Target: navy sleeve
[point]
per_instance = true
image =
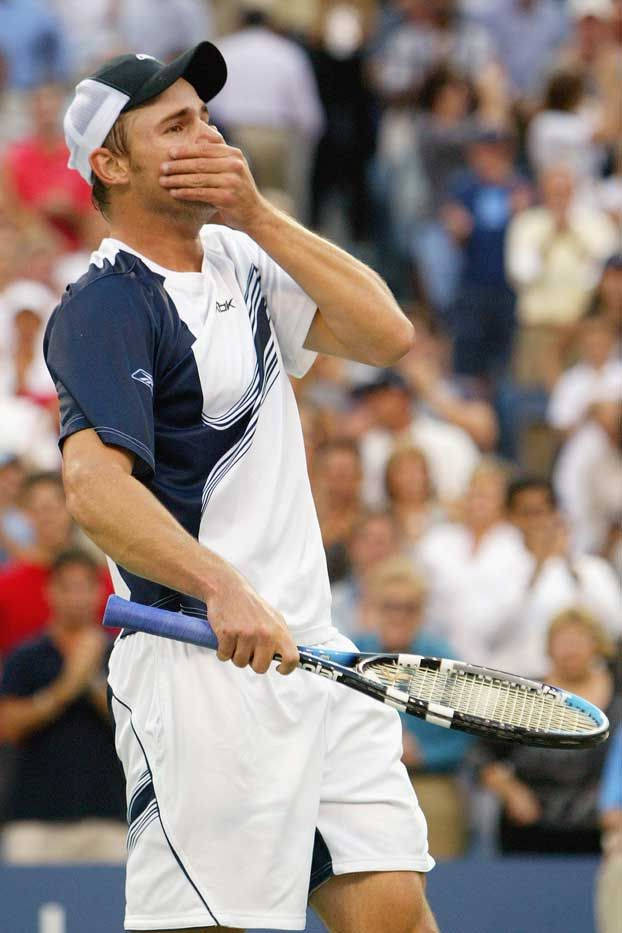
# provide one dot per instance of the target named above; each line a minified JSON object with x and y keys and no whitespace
{"x":100,"y":348}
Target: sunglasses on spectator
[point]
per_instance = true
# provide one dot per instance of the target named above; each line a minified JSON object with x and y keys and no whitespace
{"x":412,"y":606}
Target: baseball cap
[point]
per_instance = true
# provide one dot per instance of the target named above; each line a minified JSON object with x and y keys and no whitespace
{"x":127,"y":81}
{"x":600,"y":9}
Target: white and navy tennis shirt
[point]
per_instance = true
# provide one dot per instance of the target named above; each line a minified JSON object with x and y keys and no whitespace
{"x":189,"y":372}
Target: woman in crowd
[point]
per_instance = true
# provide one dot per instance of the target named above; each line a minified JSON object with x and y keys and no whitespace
{"x":412,"y":498}
{"x":549,"y":798}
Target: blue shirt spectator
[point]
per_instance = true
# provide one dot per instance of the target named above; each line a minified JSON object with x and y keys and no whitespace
{"x":33,"y":47}
{"x":442,"y":750}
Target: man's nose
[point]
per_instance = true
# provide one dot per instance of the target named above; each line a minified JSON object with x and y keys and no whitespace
{"x":209,"y":133}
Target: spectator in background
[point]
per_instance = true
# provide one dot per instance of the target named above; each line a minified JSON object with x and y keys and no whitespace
{"x":470,"y":570}
{"x":270,"y":106}
{"x":347,"y":144}
{"x":25,"y":307}
{"x":549,"y":577}
{"x":607,"y":300}
{"x":337,"y":491}
{"x":595,"y":376}
{"x":592,"y":50}
{"x":396,"y":419}
{"x":32,"y":44}
{"x":525,"y":34}
{"x":24,"y":607}
{"x":412,"y":500}
{"x":555,"y":252}
{"x":443,"y":129}
{"x":549,"y":797}
{"x":396,"y":597}
{"x":15,"y":530}
{"x":609,"y":880}
{"x":375,"y":537}
{"x":480,"y":206}
{"x":564,"y":133}
{"x":39,"y":187}
{"x":67,"y":801}
{"x":442,"y":395}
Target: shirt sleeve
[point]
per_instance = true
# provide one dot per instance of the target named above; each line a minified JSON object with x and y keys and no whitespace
{"x":291,"y":311}
{"x":100,"y":348}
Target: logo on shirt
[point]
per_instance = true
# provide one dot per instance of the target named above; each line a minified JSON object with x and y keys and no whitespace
{"x":225,"y":306}
{"x":141,"y":375}
{"x":141,"y":56}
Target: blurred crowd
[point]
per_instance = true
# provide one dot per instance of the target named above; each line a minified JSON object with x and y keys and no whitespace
{"x":470,"y":499}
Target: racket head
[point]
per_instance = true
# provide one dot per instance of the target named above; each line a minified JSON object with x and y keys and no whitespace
{"x":486,"y":702}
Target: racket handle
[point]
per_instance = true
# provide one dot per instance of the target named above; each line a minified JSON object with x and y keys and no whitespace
{"x":120,"y":613}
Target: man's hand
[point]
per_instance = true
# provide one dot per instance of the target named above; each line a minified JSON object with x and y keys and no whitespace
{"x":83,"y":661}
{"x":211,"y":172}
{"x":248,"y":630}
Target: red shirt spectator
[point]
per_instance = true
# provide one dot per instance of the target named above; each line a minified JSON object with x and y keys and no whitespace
{"x":24,"y":607}
{"x":38,"y":179}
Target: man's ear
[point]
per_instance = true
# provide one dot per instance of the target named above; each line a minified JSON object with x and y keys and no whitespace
{"x":111,"y":169}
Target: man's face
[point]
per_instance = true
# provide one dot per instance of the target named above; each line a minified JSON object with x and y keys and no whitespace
{"x":531,"y":509}
{"x":46,"y":509}
{"x":375,"y":540}
{"x":399,"y":607}
{"x":74,"y":595}
{"x":177,"y":117}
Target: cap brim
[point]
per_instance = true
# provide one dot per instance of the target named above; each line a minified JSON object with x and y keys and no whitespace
{"x":203,"y":67}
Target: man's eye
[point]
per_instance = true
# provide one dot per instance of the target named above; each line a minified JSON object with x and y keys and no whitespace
{"x":175,"y":128}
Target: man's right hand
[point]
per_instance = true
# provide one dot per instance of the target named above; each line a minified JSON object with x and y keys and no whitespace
{"x":249,"y":631}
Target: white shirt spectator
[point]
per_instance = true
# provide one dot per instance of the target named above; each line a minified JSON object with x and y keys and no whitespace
{"x":578,"y":459}
{"x":586,"y":581}
{"x":33,"y":296}
{"x":98,"y":29}
{"x":581,"y":386}
{"x":28,"y":432}
{"x":472,"y":592}
{"x":451,"y":455}
{"x":270,"y":84}
{"x":556,"y":136}
{"x":555,"y":270}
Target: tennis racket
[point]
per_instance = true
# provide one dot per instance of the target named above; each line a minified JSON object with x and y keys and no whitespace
{"x":452,"y":694}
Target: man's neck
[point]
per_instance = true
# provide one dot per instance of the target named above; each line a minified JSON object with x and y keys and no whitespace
{"x":179,"y":249}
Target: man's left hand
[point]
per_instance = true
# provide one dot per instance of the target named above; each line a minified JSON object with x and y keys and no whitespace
{"x":211,"y":172}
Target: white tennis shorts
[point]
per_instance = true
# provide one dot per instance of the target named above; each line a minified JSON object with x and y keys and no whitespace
{"x":247,"y":791}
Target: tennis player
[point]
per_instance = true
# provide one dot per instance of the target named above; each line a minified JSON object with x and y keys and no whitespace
{"x":184,"y":461}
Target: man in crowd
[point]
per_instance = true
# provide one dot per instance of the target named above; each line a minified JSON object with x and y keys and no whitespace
{"x":24,"y":605}
{"x":67,"y":798}
{"x":396,"y":598}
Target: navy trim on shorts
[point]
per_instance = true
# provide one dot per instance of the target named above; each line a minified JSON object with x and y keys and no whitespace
{"x":177,"y":858}
{"x":321,"y":863}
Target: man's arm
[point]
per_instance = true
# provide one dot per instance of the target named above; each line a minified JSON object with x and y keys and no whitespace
{"x":20,"y":716}
{"x":357,"y":318}
{"x":129,"y":524}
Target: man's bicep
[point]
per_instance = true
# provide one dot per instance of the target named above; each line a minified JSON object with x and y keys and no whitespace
{"x":85,"y":450}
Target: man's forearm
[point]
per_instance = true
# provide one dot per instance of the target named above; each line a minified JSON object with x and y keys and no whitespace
{"x":353,"y":300}
{"x":129,"y":524}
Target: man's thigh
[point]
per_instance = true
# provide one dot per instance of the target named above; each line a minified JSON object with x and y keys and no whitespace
{"x":375,"y":902}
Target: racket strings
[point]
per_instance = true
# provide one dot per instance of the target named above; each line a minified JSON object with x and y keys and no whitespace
{"x":484,"y":697}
